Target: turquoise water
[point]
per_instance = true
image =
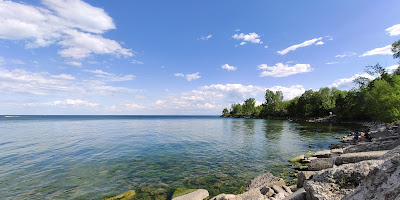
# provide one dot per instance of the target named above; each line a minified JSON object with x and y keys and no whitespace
{"x":92,"y":157}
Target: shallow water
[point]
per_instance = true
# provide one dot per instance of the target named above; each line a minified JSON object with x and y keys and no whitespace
{"x":92,"y":157}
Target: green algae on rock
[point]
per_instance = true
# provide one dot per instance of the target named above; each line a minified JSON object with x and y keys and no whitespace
{"x":124,"y":196}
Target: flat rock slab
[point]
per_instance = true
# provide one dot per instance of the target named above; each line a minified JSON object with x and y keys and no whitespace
{"x":262,"y":180}
{"x":322,"y":154}
{"x":321,"y":163}
{"x":357,"y":157}
{"x":196,"y":195}
{"x":337,"y":151}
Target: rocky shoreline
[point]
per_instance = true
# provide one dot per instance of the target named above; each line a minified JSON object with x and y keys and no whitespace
{"x":365,"y":170}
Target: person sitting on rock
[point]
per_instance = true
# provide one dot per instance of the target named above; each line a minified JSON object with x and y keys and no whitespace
{"x":355,"y":139}
{"x":368,"y":137}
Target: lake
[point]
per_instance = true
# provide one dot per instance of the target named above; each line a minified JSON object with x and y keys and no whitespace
{"x":93,"y":157}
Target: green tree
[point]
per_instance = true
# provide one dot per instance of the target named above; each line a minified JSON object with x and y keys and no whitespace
{"x":248,"y":107}
{"x":225,"y":112}
{"x":236,"y":110}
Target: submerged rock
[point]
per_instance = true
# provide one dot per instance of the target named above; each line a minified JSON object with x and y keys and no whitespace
{"x":124,"y":196}
{"x":266,"y":179}
{"x":297,"y":158}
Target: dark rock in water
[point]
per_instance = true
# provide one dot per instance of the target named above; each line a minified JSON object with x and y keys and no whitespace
{"x":124,"y":196}
{"x":266,"y":179}
{"x":335,"y":183}
{"x":382,"y":182}
{"x":321,"y":163}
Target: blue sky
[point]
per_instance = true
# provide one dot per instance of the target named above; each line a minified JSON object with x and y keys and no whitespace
{"x":183,"y":57}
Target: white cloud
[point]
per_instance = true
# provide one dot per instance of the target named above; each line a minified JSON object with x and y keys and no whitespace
{"x":68,"y":102}
{"x":63,"y":76}
{"x":387,"y":50}
{"x":392,"y":68}
{"x":319,"y":43}
{"x":133,"y":106}
{"x":74,"y":63}
{"x":189,"y":77}
{"x":251,"y":37}
{"x":304,"y":44}
{"x":194,"y":76}
{"x":282,"y":70}
{"x":105,"y":76}
{"x":205,"y":37}
{"x":394,"y":30}
{"x":265,"y":46}
{"x":237,"y":30}
{"x":228,"y":67}
{"x":179,"y":74}
{"x":331,"y":63}
{"x":73,"y":24}
{"x":137,"y":62}
{"x":348,"y":83}
{"x":218,"y":96}
{"x":43,"y":83}
{"x":346,"y":54}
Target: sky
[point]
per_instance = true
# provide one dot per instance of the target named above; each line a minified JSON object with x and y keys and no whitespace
{"x":180,"y":57}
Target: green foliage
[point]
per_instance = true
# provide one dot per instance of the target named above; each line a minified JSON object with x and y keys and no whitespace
{"x":236,"y":110}
{"x":225,"y":112}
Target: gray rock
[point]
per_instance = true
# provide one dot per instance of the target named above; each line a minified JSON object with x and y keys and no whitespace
{"x":337,"y":151}
{"x":267,"y":191}
{"x":322,"y":154}
{"x":253,"y":194}
{"x":279,"y":196}
{"x":266,"y":179}
{"x":335,"y":183}
{"x":391,"y":154}
{"x":303,"y":176}
{"x":293,"y":188}
{"x":321,"y":163}
{"x":279,"y":189}
{"x":370,"y":146}
{"x":196,"y":195}
{"x":298,"y":195}
{"x":223,"y":197}
{"x":287,"y":189}
{"x":381,"y":183}
{"x":357,"y":157}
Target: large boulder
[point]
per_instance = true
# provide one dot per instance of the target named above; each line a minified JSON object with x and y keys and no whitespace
{"x":357,"y":157}
{"x":335,"y":183}
{"x":321,"y":163}
{"x":322,"y":154}
{"x":298,"y":195}
{"x":262,"y":180}
{"x":195,"y":195}
{"x":382,"y":182}
{"x":370,"y":146}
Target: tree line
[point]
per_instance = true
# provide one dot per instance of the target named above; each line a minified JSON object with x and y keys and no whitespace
{"x":377,"y":99}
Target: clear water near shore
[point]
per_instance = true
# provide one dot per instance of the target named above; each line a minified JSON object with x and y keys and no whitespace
{"x":92,"y":157}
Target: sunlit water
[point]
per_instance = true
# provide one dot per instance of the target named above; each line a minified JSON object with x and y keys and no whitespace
{"x":92,"y":157}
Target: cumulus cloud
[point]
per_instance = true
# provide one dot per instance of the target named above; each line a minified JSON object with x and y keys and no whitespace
{"x":228,"y":67}
{"x":109,"y":76}
{"x":218,"y":96}
{"x":73,"y":24}
{"x":251,"y":37}
{"x":392,"y":68}
{"x":304,"y":44}
{"x":283,"y":70}
{"x":189,"y":77}
{"x":205,"y":37}
{"x":17,"y":62}
{"x":43,"y":83}
{"x":394,"y":30}
{"x":346,"y":54}
{"x":387,"y":50}
{"x":348,"y":83}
